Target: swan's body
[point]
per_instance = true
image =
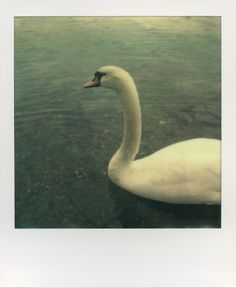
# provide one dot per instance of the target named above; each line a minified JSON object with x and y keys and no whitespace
{"x":187,"y":172}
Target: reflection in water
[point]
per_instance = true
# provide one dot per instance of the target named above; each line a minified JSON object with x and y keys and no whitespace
{"x":64,"y":138}
{"x":137,"y":212}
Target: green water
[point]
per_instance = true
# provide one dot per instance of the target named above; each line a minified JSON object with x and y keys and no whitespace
{"x":65,"y":135}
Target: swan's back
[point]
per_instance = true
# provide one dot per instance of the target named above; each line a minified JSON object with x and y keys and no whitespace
{"x":185,"y":172}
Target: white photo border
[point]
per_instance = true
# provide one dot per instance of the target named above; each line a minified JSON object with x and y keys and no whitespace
{"x":117,"y":257}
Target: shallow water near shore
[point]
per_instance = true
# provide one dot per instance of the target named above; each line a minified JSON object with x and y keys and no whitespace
{"x":65,"y":135}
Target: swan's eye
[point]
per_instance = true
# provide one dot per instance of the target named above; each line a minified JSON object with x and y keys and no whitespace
{"x":98,"y":75}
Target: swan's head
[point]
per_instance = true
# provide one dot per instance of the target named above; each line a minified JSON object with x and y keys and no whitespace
{"x":109,"y":77}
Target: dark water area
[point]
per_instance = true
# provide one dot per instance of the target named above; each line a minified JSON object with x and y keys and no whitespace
{"x":65,"y":135}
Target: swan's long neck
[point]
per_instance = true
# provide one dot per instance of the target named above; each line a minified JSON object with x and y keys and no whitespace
{"x":132,"y":121}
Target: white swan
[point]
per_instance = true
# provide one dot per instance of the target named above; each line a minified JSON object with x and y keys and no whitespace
{"x":187,"y":172}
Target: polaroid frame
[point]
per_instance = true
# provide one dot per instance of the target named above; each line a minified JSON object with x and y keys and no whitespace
{"x":129,"y":257}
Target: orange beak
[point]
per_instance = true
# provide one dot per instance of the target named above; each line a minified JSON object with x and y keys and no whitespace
{"x":94,"y":83}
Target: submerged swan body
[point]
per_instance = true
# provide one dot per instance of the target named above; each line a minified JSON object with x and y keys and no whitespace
{"x":187,"y":172}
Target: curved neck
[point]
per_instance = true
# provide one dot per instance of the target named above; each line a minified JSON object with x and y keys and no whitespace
{"x":132,"y":121}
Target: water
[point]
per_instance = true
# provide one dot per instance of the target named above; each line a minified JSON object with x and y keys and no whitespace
{"x":65,"y":135}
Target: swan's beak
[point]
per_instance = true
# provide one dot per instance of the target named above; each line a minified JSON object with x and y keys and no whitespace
{"x":93,"y":83}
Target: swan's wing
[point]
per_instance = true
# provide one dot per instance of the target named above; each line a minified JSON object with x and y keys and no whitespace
{"x":188,"y":169}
